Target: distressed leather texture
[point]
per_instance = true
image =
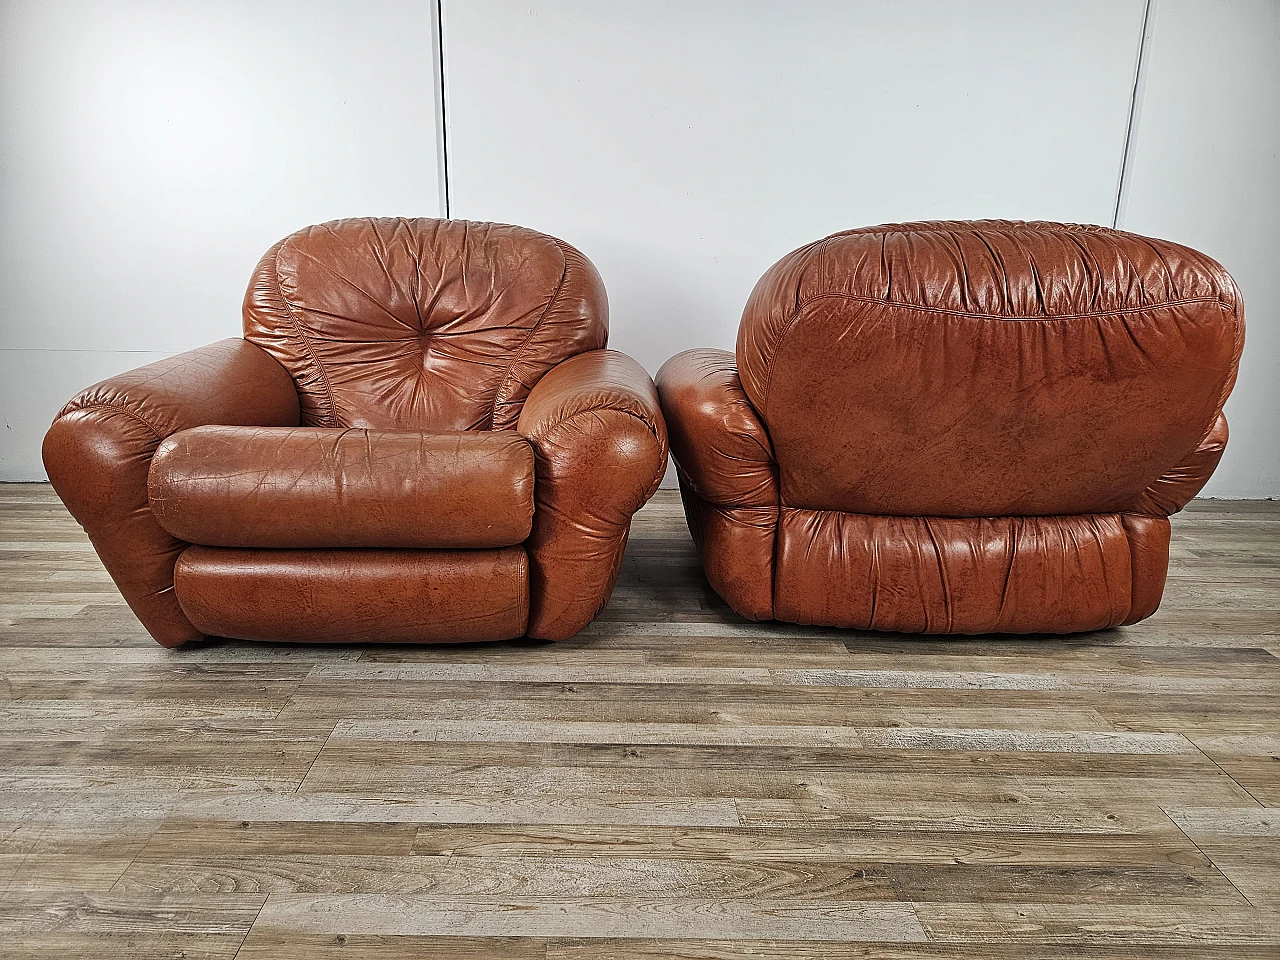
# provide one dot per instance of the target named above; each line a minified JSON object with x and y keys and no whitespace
{"x":968,"y":425}
{"x":952,"y":575}
{"x":422,"y":324}
{"x":420,"y":438}
{"x":736,"y":545}
{"x":318,"y":487}
{"x":600,"y":450}
{"x":339,"y":596}
{"x":99,"y":449}
{"x":728,"y":479}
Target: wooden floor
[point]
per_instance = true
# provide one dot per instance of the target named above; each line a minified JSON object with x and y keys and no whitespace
{"x":673,"y":783}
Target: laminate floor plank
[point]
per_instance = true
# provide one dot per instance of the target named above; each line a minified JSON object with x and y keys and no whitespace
{"x":1243,"y":843}
{"x":92,"y":925}
{"x":792,"y":950}
{"x":1153,"y":924}
{"x":265,"y":944}
{"x":674,"y":782}
{"x":691,"y":704}
{"x":1160,"y":845}
{"x":630,"y":916}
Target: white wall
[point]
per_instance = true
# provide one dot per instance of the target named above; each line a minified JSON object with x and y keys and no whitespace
{"x":687,"y":145}
{"x":1205,"y":170}
{"x":151,"y":151}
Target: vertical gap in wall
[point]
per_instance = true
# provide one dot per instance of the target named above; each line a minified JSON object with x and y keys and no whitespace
{"x":1134,"y":97}
{"x":442,"y":127}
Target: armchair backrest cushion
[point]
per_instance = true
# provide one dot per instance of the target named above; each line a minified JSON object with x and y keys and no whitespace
{"x":419,"y":324}
{"x":986,"y":368}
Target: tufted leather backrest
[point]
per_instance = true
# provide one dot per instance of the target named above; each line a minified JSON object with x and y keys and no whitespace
{"x":987,"y":368}
{"x":422,"y":324}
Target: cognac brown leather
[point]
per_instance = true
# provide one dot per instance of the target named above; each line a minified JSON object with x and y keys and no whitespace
{"x":736,"y":545}
{"x":100,"y":446}
{"x":973,"y":427}
{"x":600,"y":449}
{"x":952,"y":575}
{"x":318,"y":487}
{"x":728,"y":480}
{"x":404,"y":354}
{"x":984,"y":354}
{"x":1175,"y":488}
{"x":398,"y":596}
{"x":422,"y":324}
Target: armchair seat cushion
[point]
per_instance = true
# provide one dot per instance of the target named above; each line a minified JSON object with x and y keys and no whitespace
{"x":318,"y":487}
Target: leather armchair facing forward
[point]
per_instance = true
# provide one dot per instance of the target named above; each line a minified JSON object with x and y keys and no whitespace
{"x":420,"y":438}
{"x":957,"y":427}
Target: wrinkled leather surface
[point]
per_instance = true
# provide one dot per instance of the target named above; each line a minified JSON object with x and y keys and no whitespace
{"x":318,"y":487}
{"x":600,"y":450}
{"x":1175,"y":489}
{"x":975,"y":427}
{"x":1148,"y":562}
{"x":342,"y":596}
{"x":392,"y":337}
{"x":951,"y":369}
{"x":422,"y":324}
{"x":716,"y":436}
{"x":953,"y":575}
{"x":100,"y":446}
{"x":735,"y":545}
{"x":728,"y":480}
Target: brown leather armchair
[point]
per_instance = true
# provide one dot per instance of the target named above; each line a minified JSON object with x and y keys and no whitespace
{"x":420,"y":438}
{"x":957,"y":427}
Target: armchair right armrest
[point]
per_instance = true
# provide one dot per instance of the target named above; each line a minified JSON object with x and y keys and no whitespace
{"x":1176,"y":488}
{"x":599,"y":450}
{"x":728,"y":477}
{"x":100,"y":446}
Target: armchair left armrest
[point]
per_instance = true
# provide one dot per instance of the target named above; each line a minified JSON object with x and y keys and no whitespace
{"x":99,"y":450}
{"x":600,"y":450}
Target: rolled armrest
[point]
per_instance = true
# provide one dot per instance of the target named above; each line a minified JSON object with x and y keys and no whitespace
{"x":600,"y":449}
{"x":717,"y":438}
{"x":1175,"y":489}
{"x":728,"y":477}
{"x":100,"y":446}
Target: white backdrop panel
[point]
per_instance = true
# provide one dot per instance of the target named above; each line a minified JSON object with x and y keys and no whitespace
{"x":1205,"y":171}
{"x":150,"y":152}
{"x":685,"y":146}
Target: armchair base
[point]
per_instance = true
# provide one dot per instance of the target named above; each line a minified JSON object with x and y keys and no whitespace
{"x":352,"y":596}
{"x":967,"y":575}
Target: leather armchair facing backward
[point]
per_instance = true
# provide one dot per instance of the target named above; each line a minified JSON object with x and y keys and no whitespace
{"x":420,"y":438}
{"x":957,"y":427}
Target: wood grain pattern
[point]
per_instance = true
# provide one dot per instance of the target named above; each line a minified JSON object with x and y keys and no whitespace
{"x":672,"y":783}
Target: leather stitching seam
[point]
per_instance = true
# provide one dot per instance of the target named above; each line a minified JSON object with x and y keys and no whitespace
{"x":814,"y":252}
{"x":648,"y":425}
{"x":306,"y":342}
{"x":117,"y":409}
{"x":506,"y":376}
{"x":971,"y":315}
